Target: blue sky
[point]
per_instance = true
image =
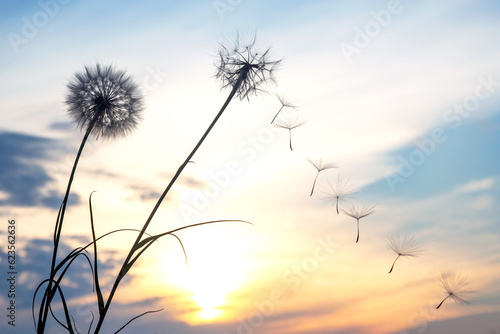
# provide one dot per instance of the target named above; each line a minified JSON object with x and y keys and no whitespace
{"x":403,"y":96}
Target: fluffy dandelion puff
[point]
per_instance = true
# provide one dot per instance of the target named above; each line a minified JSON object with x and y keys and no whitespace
{"x":243,"y":67}
{"x":320,"y":166}
{"x":340,"y":193}
{"x":358,"y":212}
{"x":456,"y":288}
{"x":406,"y":247}
{"x":104,"y":101}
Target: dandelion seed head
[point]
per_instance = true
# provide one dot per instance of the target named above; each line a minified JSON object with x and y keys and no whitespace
{"x":289,"y":123}
{"x":106,"y":99}
{"x":358,"y":212}
{"x":242,"y":60}
{"x":284,"y":102}
{"x":456,"y":287}
{"x":320,"y":166}
{"x":340,"y":192}
{"x":404,"y":246}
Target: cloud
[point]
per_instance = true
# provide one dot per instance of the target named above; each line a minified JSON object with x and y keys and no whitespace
{"x":457,"y":161}
{"x":477,"y":323}
{"x":24,"y":180}
{"x":475,"y":186}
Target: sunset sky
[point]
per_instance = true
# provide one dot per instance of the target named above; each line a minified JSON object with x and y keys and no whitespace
{"x":402,"y":96}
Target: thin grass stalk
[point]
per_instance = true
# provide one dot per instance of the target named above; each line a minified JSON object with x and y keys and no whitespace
{"x":49,"y":294}
{"x":241,"y":79}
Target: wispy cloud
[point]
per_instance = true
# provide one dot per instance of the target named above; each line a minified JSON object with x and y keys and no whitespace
{"x":24,"y":180}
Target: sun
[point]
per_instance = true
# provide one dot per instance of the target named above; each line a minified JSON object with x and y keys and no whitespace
{"x":215,"y":269}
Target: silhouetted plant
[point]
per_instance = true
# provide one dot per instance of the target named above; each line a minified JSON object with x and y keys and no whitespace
{"x":107,"y":103}
{"x":289,"y":123}
{"x":339,"y":193}
{"x":359,"y":212}
{"x":406,"y":247}
{"x":456,"y":288}
{"x":243,"y":70}
{"x":104,"y":101}
{"x":284,"y":104}
{"x":320,"y":166}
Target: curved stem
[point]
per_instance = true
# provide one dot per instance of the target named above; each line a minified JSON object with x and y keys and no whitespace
{"x":277,"y":114}
{"x":394,"y":263}
{"x":241,"y":78}
{"x":290,"y":134}
{"x":314,"y":183}
{"x":357,"y":238}
{"x":49,"y":294}
{"x":443,"y":301}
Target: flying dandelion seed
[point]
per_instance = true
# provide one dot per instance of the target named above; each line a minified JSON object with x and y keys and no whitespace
{"x":104,"y":100}
{"x":455,"y":287}
{"x":320,"y":166}
{"x":242,"y":67}
{"x":289,"y":124}
{"x":340,"y":193}
{"x":406,"y":247}
{"x":358,"y":212}
{"x":284,"y":104}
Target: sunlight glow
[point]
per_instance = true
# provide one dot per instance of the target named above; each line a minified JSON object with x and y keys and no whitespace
{"x":214,"y":271}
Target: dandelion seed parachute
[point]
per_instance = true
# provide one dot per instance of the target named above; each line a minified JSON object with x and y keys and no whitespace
{"x":106,"y":100}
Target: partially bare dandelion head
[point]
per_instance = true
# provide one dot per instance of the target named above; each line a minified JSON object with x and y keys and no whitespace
{"x":403,"y":247}
{"x":456,"y":287}
{"x":105,"y":99}
{"x":243,"y":67}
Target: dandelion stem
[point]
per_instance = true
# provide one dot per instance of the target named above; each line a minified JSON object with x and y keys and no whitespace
{"x":277,"y":114}
{"x":392,"y":267}
{"x":243,"y":75}
{"x":50,"y":292}
{"x":290,"y":135}
{"x":443,"y":301}
{"x":357,"y":222}
{"x":314,"y":183}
